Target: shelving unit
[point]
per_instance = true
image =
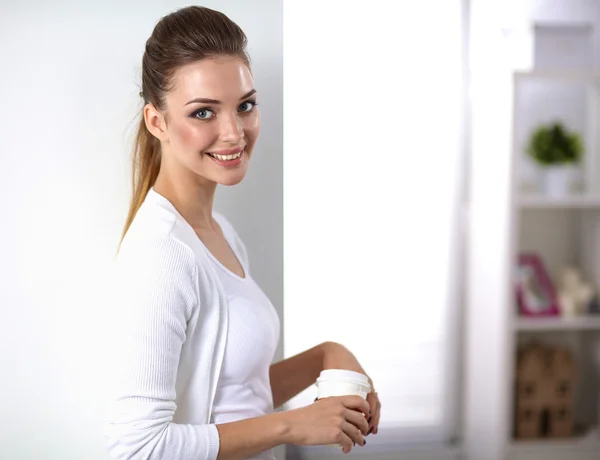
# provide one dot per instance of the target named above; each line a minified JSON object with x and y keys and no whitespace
{"x":564,"y":231}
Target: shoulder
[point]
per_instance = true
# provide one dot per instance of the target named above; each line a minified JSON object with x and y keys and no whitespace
{"x":156,"y":241}
{"x":155,"y":275}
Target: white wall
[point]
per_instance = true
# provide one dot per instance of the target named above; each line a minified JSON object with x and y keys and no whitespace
{"x":68,"y":91}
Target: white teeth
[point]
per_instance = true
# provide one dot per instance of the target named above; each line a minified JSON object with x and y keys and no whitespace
{"x":227,"y":157}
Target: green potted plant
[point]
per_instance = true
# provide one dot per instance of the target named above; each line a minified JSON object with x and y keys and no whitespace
{"x":557,"y":151}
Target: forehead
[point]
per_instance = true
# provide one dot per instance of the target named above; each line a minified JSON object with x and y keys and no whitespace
{"x":222,"y":78}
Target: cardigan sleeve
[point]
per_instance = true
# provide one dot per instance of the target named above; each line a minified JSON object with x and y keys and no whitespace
{"x":155,"y":289}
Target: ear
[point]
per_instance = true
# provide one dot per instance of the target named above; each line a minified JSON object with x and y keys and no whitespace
{"x":155,"y":122}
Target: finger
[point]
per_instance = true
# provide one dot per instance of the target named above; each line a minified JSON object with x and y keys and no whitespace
{"x":345,"y":442}
{"x":373,"y":419}
{"x":376,"y":417}
{"x":357,"y":419}
{"x":356,"y":403}
{"x":372,"y":400}
{"x":353,"y":433}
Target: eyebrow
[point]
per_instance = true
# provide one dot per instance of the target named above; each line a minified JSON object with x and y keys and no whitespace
{"x":203,"y":100}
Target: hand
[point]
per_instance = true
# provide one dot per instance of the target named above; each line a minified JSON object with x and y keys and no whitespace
{"x":339,"y":357}
{"x":334,"y":420}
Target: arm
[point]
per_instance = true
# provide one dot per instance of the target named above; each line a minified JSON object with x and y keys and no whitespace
{"x":295,"y":374}
{"x":154,"y":294}
{"x":334,"y":420}
{"x":288,"y":378}
{"x":249,"y":437}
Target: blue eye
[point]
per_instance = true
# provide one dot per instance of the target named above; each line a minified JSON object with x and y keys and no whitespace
{"x":203,"y":114}
{"x":247,"y":106}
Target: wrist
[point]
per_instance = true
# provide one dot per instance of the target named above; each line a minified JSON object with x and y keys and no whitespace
{"x":283,"y":427}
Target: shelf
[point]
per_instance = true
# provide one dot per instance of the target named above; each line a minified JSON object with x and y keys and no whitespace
{"x":588,"y":323}
{"x":559,"y":448}
{"x":562,"y":76}
{"x":573,"y":202}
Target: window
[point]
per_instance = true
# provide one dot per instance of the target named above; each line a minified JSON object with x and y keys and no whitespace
{"x":373,"y":159}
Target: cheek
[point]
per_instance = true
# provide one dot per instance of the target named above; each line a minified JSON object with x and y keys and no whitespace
{"x":192,"y":136}
{"x":187,"y":134}
{"x":252,"y":128}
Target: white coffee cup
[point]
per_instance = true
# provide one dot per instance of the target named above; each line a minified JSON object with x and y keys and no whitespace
{"x":339,"y":382}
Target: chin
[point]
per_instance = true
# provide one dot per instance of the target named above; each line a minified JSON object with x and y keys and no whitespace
{"x":230,"y":180}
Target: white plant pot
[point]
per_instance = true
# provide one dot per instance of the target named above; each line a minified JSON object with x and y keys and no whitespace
{"x":557,"y":181}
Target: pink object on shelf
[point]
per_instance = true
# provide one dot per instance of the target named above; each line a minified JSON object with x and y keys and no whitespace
{"x":536,"y":294}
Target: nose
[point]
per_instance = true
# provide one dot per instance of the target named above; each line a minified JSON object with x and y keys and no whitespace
{"x":232,"y":129}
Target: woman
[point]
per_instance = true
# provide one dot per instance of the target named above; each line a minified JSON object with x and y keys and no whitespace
{"x":195,"y":334}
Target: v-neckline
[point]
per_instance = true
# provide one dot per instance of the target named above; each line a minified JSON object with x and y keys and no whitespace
{"x":210,"y":254}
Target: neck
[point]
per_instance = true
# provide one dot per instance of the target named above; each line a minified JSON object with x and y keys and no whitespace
{"x":193,"y":198}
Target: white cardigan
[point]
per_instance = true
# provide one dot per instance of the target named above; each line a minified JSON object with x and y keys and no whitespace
{"x":170,"y":334}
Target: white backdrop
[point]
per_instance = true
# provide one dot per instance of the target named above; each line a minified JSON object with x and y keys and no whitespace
{"x":69,"y":86}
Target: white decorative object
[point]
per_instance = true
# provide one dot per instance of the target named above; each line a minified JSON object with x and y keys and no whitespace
{"x":557,"y":181}
{"x":568,"y":305}
{"x":574,"y":293}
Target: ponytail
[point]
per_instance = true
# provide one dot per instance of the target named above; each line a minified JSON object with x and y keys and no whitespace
{"x":145,"y":167}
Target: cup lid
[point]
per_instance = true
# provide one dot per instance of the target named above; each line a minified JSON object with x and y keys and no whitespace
{"x":344,"y":375}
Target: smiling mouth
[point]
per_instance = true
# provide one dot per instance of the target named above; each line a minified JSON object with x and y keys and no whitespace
{"x":231,"y":157}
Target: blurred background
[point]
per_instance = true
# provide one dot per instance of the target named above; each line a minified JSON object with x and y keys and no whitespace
{"x":425,"y":191}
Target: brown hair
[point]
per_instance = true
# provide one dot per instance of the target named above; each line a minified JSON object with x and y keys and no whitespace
{"x":182,"y":37}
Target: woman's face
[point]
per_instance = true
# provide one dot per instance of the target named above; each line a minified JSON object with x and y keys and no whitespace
{"x":212,"y":120}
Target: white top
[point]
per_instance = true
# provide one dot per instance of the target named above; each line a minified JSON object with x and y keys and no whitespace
{"x":170,"y":331}
{"x":244,"y":388}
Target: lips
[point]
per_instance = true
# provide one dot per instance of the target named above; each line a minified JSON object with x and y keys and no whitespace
{"x":233,"y":156}
{"x":227,"y":161}
{"x":226,"y":152}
